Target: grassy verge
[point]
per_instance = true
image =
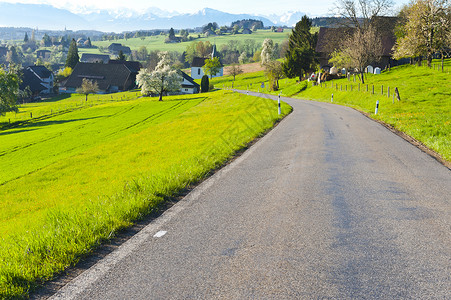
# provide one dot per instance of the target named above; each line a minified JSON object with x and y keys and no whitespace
{"x":122,"y":160}
{"x":424,"y":111}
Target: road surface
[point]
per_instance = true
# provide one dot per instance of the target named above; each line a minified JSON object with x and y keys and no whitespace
{"x":328,"y":205}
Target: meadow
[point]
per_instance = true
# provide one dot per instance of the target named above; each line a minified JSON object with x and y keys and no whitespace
{"x":153,"y":43}
{"x":423,"y":113}
{"x":71,"y":180}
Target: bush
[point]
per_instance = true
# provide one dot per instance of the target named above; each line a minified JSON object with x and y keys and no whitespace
{"x":204,"y":84}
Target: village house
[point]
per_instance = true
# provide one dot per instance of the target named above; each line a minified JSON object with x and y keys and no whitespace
{"x":197,"y":71}
{"x":43,"y":54}
{"x":115,"y":48}
{"x":38,"y":79}
{"x":189,"y":86}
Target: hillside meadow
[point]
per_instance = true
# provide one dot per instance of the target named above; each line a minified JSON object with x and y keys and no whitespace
{"x":423,"y":113}
{"x":71,"y":180}
{"x":153,"y":43}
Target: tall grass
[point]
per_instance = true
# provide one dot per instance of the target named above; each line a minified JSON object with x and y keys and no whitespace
{"x":55,"y":214}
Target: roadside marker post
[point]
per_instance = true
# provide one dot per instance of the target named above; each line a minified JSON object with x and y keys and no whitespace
{"x":377,"y":107}
{"x":332,"y":99}
{"x":278,"y":102}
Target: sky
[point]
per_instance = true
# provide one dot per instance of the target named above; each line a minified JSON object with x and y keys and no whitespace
{"x":260,"y":7}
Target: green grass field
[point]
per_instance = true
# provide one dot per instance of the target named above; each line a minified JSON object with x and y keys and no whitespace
{"x":424,"y":111}
{"x":72,"y":179}
{"x":157,"y":42}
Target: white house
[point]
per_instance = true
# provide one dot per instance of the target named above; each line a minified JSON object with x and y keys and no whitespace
{"x":198,"y":62}
{"x":189,"y":86}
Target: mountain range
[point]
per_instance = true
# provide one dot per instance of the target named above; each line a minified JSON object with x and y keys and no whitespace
{"x":48,"y":17}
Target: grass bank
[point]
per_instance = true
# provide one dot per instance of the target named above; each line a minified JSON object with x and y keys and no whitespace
{"x":72,"y":180}
{"x":424,"y":111}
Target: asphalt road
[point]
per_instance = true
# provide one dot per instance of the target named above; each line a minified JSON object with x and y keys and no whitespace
{"x":328,"y":205}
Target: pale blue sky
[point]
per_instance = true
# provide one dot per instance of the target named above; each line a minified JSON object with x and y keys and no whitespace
{"x":266,"y":7}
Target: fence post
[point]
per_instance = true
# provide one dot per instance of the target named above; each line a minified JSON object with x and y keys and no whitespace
{"x":373,"y":89}
{"x":359,"y":86}
{"x":382,"y":89}
{"x":388,"y":92}
{"x":397,"y":94}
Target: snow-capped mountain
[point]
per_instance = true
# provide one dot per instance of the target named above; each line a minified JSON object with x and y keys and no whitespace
{"x":119,"y":20}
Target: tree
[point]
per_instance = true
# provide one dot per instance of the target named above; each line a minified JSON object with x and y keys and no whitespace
{"x":363,"y":43}
{"x":9,"y":90}
{"x":72,"y":55}
{"x":300,"y":57}
{"x":235,"y":69}
{"x":46,"y":40}
{"x":162,"y":80}
{"x":171,"y":34}
{"x":212,"y":66}
{"x":121,"y":56}
{"x":142,"y":53}
{"x":361,"y":13}
{"x":25,"y":39}
{"x":242,"y":58}
{"x":359,"y":50}
{"x":204,"y":84}
{"x":88,"y":87}
{"x":12,"y":56}
{"x":267,"y":54}
{"x":274,"y":72}
{"x":426,"y":29}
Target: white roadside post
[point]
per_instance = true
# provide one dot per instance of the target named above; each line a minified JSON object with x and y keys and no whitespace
{"x":377,"y":107}
{"x":278,"y":102}
{"x":332,"y":99}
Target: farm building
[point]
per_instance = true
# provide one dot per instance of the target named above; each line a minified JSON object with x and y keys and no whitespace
{"x":329,"y":40}
{"x":111,"y":78}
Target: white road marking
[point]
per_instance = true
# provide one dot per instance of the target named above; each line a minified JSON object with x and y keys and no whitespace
{"x":160,"y":234}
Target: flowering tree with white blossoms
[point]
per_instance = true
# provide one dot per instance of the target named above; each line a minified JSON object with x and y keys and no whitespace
{"x":267,"y":51}
{"x":162,"y":80}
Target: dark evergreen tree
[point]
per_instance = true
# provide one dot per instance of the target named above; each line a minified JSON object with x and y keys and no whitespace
{"x":121,"y":56}
{"x":300,"y":57}
{"x":171,"y":34}
{"x":26,"y":38}
{"x":46,"y":40}
{"x":204,"y":84}
{"x":72,"y":55}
